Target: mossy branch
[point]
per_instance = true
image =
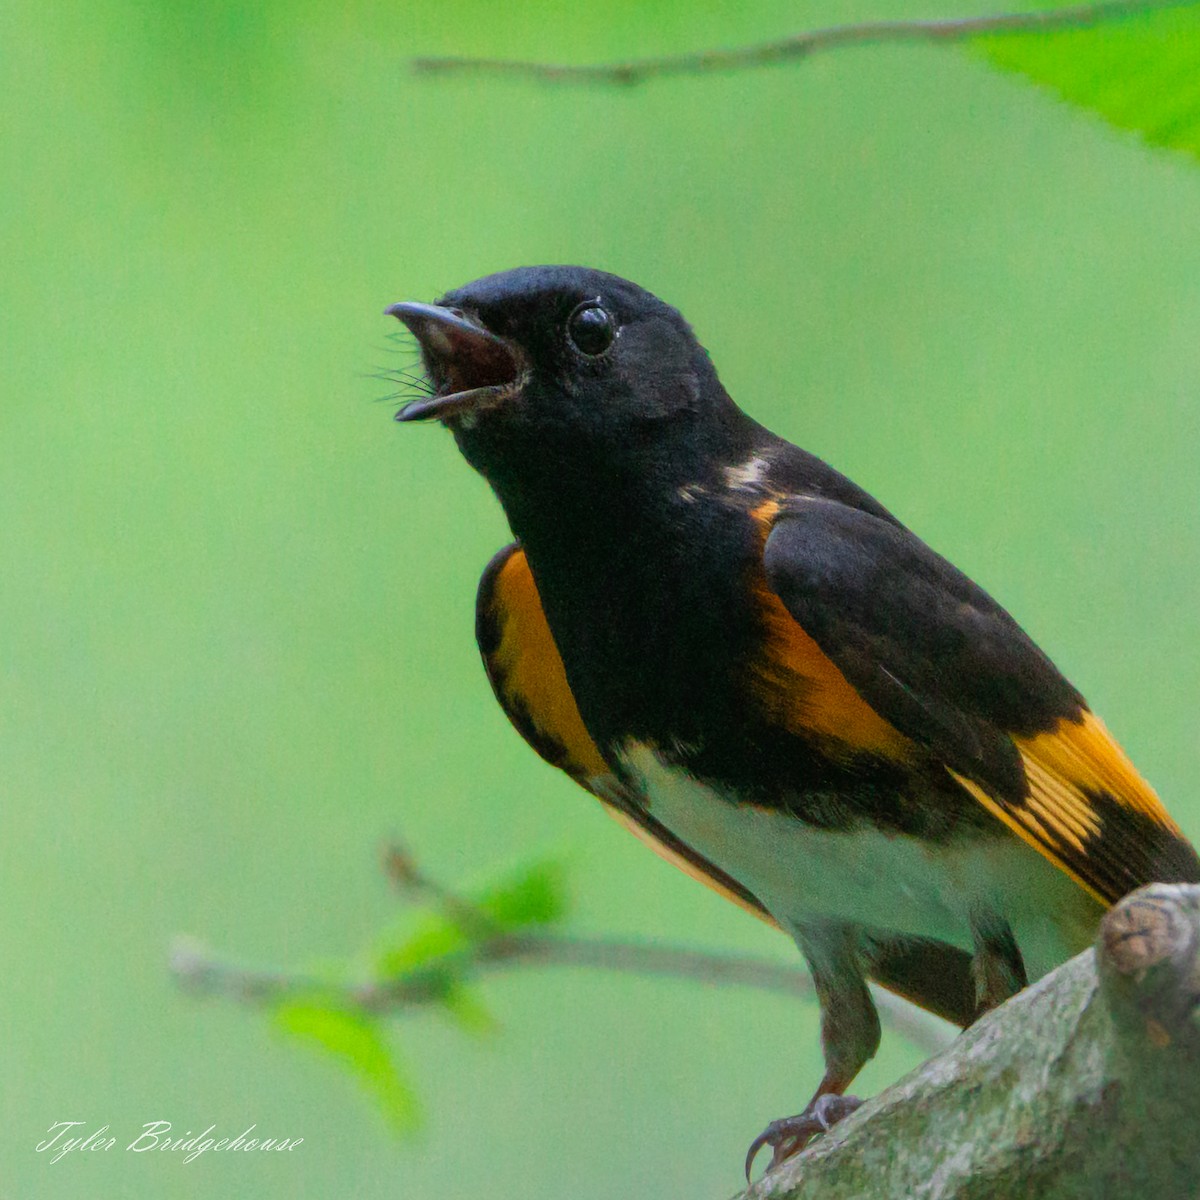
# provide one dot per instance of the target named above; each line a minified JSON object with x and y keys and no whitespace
{"x":1085,"y":1086}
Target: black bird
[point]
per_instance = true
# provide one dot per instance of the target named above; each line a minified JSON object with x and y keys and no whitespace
{"x":766,"y":677}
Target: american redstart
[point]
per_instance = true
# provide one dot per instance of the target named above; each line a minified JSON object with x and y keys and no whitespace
{"x":766,"y":677}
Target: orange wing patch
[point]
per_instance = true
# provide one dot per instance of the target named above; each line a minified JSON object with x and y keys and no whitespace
{"x":1085,"y":755}
{"x":1090,"y":813}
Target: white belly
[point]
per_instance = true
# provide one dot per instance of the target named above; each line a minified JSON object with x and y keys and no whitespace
{"x":877,"y":880}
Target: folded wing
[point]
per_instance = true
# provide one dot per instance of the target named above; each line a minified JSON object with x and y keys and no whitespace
{"x":946,"y":666}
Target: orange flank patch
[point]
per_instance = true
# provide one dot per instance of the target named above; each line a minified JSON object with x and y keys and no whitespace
{"x":807,"y":694}
{"x":804,"y":691}
{"x":532,"y":680}
{"x":531,"y":669}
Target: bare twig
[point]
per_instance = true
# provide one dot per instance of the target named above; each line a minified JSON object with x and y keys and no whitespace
{"x":491,"y":949}
{"x":802,"y":45}
{"x":407,"y":876}
{"x":199,"y":971}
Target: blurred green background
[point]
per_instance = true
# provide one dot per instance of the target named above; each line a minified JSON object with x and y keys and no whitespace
{"x":236,"y":601}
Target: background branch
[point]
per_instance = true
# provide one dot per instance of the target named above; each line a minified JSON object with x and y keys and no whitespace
{"x":489,"y":948}
{"x":801,"y":45}
{"x":197,"y":969}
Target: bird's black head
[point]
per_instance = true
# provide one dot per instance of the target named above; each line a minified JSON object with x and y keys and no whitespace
{"x":565,"y":372}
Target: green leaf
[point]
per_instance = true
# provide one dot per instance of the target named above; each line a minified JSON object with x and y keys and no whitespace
{"x":1141,"y":73}
{"x":467,"y":1010}
{"x":357,"y":1042}
{"x":402,"y":950}
{"x":535,"y":896}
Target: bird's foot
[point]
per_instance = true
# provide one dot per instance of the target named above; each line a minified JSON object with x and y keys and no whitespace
{"x":789,"y":1135}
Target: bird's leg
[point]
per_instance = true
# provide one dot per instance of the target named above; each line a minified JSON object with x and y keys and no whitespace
{"x":997,"y":964}
{"x":849,"y":1037}
{"x":789,"y":1135}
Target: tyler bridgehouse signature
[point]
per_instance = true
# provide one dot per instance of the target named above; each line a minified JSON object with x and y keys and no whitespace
{"x":65,"y":1137}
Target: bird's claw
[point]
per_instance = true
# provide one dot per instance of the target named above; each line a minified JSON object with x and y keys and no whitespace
{"x":789,"y":1135}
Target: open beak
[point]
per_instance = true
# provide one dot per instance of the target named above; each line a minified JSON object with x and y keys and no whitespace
{"x":471,"y":368}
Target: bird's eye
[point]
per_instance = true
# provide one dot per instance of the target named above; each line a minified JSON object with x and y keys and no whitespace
{"x":591,"y":329}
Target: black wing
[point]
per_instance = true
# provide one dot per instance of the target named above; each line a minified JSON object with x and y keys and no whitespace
{"x":940,"y":660}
